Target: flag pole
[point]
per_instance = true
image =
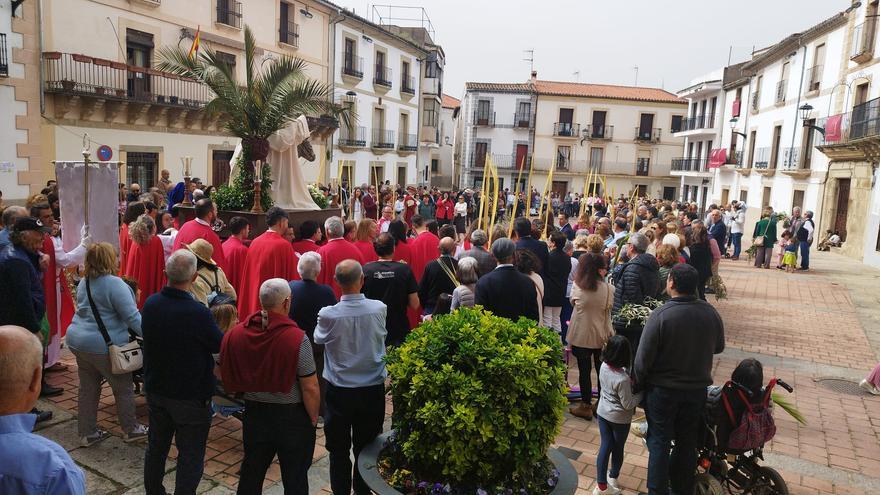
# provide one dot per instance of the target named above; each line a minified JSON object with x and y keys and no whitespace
{"x":549,"y":204}
{"x":483,"y":192}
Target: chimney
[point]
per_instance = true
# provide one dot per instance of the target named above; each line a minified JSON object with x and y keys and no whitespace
{"x":534,"y":75}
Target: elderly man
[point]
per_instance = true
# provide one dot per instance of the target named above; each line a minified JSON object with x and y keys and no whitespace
{"x":674,"y":366}
{"x":180,"y":338}
{"x":387,"y":218}
{"x":334,"y":252}
{"x":505,"y":291}
{"x":394,"y":284}
{"x":269,"y":358}
{"x":10,"y":215}
{"x":717,"y":229}
{"x":634,"y":281}
{"x":438,"y":277}
{"x":353,"y":333}
{"x":485,"y":261}
{"x":29,"y":463}
{"x":200,"y":228}
{"x":804,"y":236}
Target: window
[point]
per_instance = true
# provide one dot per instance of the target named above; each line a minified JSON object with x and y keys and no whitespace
{"x":643,"y":190}
{"x":816,"y":71}
{"x":483,"y":112}
{"x":141,"y":168}
{"x":4,"y":61}
{"x":288,"y":32}
{"x":227,"y":58}
{"x":430,"y":114}
{"x":563,"y":157}
{"x":435,"y":165}
{"x":643,"y":166}
{"x":406,"y":81}
{"x":401,"y":174}
{"x":229,"y":13}
{"x":710,"y":117}
{"x":752,"y":136}
{"x":807,"y":140}
{"x":669,"y":193}
{"x":597,"y":155}
{"x":139,"y":51}
{"x":646,"y":126}
{"x":744,"y":195}
{"x":737,"y":103}
{"x":765,"y":198}
{"x":676,"y":123}
{"x":219,"y":166}
{"x":523,"y":115}
{"x":797,"y":199}
{"x":480,"y":151}
{"x":774,"y":151}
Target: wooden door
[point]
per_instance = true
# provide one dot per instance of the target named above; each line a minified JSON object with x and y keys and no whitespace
{"x":725,"y":196}
{"x":646,"y":124}
{"x":401,"y":175}
{"x":480,"y":151}
{"x":522,"y":151}
{"x":842,"y":207}
{"x":774,"y":151}
{"x":598,"y":130}
{"x":560,"y":187}
{"x":220,"y":167}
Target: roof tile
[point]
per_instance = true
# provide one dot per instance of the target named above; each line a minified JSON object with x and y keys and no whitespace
{"x":606,"y":91}
{"x":450,"y":101}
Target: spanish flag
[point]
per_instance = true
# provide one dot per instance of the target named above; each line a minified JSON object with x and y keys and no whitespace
{"x":194,"y":49}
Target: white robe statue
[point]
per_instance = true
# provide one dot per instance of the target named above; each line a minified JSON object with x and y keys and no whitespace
{"x":289,"y":190}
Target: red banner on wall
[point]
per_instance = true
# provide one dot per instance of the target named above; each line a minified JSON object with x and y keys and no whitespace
{"x":832,"y":128}
{"x":718,"y":157}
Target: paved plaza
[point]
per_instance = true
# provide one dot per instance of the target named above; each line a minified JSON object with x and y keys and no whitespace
{"x":804,"y":327}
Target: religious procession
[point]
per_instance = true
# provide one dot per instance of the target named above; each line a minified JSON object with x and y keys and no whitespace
{"x":303,"y":313}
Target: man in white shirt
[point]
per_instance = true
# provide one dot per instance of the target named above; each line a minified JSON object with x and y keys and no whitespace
{"x":737,"y":227}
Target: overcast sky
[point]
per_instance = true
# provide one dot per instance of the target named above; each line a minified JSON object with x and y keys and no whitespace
{"x":671,"y":41}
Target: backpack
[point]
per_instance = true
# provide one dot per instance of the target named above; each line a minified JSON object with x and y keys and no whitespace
{"x":216,"y":297}
{"x":756,"y":426}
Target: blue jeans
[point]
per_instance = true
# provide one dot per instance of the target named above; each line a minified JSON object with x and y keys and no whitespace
{"x":613,"y":440}
{"x":188,"y":422}
{"x":736,"y":239}
{"x":673,"y":415}
{"x":805,"y":254}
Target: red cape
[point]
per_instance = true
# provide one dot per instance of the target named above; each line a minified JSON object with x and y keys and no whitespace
{"x":235,"y":253}
{"x":51,"y":279}
{"x":254,"y":360}
{"x":425,"y":248}
{"x":403,"y":252}
{"x":124,"y":247}
{"x":192,"y":230}
{"x":332,"y":254}
{"x":270,"y":256}
{"x":303,"y":246}
{"x":146,"y":265}
{"x":409,"y":210}
{"x":368,"y":253}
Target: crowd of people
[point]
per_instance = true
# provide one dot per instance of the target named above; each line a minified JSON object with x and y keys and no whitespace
{"x":288,"y":331}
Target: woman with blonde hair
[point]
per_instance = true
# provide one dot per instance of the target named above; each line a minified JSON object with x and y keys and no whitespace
{"x":367,"y":230}
{"x":145,"y":262}
{"x":667,"y":257}
{"x":595,"y":244}
{"x":103,"y":301}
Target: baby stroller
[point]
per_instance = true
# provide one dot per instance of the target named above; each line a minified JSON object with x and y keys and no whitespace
{"x":738,"y":422}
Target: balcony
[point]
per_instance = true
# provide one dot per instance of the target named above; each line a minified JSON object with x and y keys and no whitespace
{"x":501,"y":161}
{"x":698,"y":122}
{"x":814,"y":77}
{"x":382,"y":77}
{"x":781,"y":87}
{"x":289,"y":34}
{"x":408,"y":143}
{"x":484,"y":118}
{"x":566,"y":130}
{"x":735,"y":158}
{"x":690,"y":165}
{"x":229,"y":13}
{"x":761,"y":161}
{"x":382,"y":140}
{"x":352,"y":138}
{"x":599,"y":132}
{"x":852,"y":136}
{"x":4,"y":58}
{"x":863,"y":41}
{"x":647,"y":134}
{"x":407,"y":85}
{"x":352,"y":66}
{"x":792,"y":166}
{"x":522,"y":120}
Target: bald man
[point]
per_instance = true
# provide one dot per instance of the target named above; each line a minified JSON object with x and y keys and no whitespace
{"x":10,"y":215}
{"x":29,"y":463}
{"x":439,"y":276}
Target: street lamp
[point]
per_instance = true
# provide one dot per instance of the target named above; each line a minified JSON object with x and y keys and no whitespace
{"x":806,"y":109}
{"x":733,"y":130}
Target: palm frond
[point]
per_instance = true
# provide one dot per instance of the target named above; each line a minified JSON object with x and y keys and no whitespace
{"x":788,"y":407}
{"x":250,"y":47}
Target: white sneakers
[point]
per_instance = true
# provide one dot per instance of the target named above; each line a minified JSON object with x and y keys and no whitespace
{"x":869,"y":387}
{"x":613,"y":488}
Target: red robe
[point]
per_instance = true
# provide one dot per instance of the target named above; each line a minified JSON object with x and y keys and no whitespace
{"x":192,"y":230}
{"x":124,"y":247}
{"x":235,"y":253}
{"x":368,"y":253}
{"x":425,"y":248}
{"x":51,"y":279}
{"x":146,"y":265}
{"x":270,"y":256}
{"x":303,"y":246}
{"x":332,"y":253}
{"x":409,"y":209}
{"x":403,"y":252}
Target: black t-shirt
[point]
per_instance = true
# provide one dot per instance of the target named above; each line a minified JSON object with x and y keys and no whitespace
{"x":391,"y":282}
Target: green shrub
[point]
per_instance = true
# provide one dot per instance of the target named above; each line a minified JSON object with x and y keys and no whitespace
{"x":239,"y":196}
{"x":478,"y":398}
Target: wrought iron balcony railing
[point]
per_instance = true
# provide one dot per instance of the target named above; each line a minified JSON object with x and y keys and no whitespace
{"x":407,"y":85}
{"x":352,"y":65}
{"x":484,"y":118}
{"x":289,"y":33}
{"x":382,"y":76}
{"x":689,"y":165}
{"x":706,"y":121}
{"x":382,"y":139}
{"x":408,"y":142}
{"x":353,"y":138}
{"x":229,"y":13}
{"x":599,"y":131}
{"x":648,"y":134}
{"x":566,"y":129}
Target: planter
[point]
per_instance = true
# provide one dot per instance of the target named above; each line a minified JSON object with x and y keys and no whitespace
{"x":368,"y":461}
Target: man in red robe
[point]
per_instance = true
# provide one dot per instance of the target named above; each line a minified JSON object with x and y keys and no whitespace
{"x":336,"y":250}
{"x":309,"y":237}
{"x":59,"y":303}
{"x":424,"y":247}
{"x":410,"y":204}
{"x":270,"y":256}
{"x":146,"y":259}
{"x":200,"y":228}
{"x":235,"y":250}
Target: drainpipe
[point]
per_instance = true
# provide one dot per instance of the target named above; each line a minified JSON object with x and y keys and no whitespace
{"x":331,"y":69}
{"x":797,"y":106}
{"x":40,"y":53}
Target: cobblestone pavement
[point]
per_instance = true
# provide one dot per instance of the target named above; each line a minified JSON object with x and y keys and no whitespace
{"x":804,"y":327}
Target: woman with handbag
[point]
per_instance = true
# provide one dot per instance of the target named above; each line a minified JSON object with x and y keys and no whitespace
{"x":590,"y":326}
{"x":100,"y":333}
{"x":211,"y":287}
{"x":764,"y":237}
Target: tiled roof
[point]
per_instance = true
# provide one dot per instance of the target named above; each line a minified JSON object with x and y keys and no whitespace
{"x":499,"y":87}
{"x":606,"y":91}
{"x":450,"y":101}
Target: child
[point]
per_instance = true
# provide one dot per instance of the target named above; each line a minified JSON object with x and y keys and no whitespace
{"x":789,"y":260}
{"x":616,"y":406}
{"x":226,"y":317}
{"x":781,"y":247}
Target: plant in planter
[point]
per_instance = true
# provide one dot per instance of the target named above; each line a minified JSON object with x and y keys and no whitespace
{"x":478,"y":399}
{"x":267,"y":101}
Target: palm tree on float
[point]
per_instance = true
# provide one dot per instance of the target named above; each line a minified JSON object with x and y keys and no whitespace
{"x":267,"y":101}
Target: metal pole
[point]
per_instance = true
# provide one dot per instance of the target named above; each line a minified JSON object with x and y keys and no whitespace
{"x":86,"y":153}
{"x":797,"y":109}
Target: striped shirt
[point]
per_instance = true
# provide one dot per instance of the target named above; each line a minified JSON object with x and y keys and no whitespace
{"x":305,"y":367}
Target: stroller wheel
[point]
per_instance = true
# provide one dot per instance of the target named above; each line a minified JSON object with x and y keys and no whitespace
{"x":706,"y":484}
{"x":769,"y":482}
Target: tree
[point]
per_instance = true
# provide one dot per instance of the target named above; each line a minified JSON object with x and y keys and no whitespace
{"x":268,"y":100}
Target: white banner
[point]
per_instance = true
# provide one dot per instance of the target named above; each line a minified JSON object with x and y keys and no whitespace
{"x":103,"y":201}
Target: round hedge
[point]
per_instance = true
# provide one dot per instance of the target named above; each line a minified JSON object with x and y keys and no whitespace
{"x":478,"y":398}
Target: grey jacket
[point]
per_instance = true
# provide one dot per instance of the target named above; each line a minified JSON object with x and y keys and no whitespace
{"x":485,"y":261}
{"x":617,"y":401}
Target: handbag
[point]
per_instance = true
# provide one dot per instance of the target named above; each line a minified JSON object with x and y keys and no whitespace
{"x":123,"y":358}
{"x":759,"y":241}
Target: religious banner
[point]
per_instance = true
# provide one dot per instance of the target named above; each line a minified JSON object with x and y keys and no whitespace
{"x":718,"y":157}
{"x":832,"y":128}
{"x":101,"y":204}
